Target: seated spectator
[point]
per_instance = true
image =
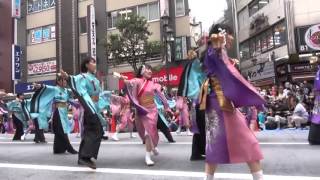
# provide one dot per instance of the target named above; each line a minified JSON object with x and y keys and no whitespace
{"x":300,"y":115}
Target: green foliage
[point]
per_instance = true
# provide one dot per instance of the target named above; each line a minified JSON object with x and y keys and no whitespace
{"x":131,"y":44}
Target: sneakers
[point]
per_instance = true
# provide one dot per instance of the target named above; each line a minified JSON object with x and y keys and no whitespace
{"x":87,"y":162}
{"x":189,"y":133}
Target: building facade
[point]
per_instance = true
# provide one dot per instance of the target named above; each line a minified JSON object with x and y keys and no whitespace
{"x":55,"y":34}
{"x":270,"y":39}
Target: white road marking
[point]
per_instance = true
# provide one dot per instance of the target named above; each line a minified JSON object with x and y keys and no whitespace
{"x":161,"y":173}
{"x":137,"y":143}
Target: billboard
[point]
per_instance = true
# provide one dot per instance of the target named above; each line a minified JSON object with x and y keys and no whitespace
{"x":308,"y":38}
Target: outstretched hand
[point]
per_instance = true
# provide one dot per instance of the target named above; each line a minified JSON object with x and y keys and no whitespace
{"x":118,"y":75}
{"x":64,"y":74}
{"x":36,"y":86}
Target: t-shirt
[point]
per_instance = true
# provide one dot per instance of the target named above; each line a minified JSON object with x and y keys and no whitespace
{"x":299,"y":110}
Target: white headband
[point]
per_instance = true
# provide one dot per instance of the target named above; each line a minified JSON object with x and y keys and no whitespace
{"x":224,"y":34}
{"x":143,"y":69}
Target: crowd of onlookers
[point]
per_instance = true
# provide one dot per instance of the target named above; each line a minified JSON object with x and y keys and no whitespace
{"x":288,"y":105}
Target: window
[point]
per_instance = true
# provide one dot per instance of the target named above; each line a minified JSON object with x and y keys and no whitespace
{"x":264,"y":42}
{"x":280,"y":34}
{"x":244,"y":51}
{"x":112,"y":19}
{"x":149,"y":11}
{"x":154,"y":13}
{"x":180,"y":9}
{"x":256,"y":5}
{"x":39,"y":5}
{"x":252,"y":46}
{"x":83,"y":25}
{"x":270,"y":41}
{"x":258,"y":45}
{"x":143,"y":11}
{"x":42,"y":34}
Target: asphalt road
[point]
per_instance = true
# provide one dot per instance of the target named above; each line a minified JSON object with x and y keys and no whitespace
{"x":287,"y":156}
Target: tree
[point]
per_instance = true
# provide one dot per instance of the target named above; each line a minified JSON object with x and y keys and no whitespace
{"x":130,"y":45}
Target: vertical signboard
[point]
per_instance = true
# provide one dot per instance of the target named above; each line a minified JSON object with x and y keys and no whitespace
{"x":16,"y":8}
{"x":16,"y":62}
{"x":91,"y":29}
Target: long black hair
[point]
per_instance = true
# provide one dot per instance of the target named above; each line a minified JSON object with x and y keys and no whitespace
{"x":84,"y":64}
{"x":215,"y":29}
{"x":139,"y":74}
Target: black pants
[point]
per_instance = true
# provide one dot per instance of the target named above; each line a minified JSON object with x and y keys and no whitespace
{"x":19,"y":128}
{"x":314,"y":134}
{"x":92,"y":135}
{"x":39,"y":134}
{"x":164,"y":129}
{"x":61,"y":141}
{"x":199,"y":140}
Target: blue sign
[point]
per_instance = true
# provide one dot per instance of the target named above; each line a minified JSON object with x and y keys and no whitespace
{"x":16,"y":62}
{"x":28,"y":87}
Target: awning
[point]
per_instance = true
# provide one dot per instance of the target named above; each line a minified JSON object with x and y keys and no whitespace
{"x":264,"y":82}
{"x":303,"y":77}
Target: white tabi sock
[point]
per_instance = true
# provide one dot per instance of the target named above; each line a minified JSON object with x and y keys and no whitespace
{"x":209,"y":177}
{"x":257,"y":175}
{"x":148,"y":159}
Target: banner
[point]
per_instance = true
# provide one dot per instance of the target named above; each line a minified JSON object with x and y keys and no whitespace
{"x":91,"y":29}
{"x":43,"y":67}
{"x":160,"y":76}
{"x":16,"y":62}
{"x":16,"y":8}
{"x":308,"y":38}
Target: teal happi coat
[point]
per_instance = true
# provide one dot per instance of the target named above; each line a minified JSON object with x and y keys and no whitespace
{"x":43,"y":103}
{"x":85,"y":86}
{"x":21,"y":109}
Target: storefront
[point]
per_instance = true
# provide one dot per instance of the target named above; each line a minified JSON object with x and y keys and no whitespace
{"x":295,"y":72}
{"x":261,"y":75}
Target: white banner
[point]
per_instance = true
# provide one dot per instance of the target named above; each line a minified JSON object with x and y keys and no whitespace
{"x":45,"y":67}
{"x":92,"y":32}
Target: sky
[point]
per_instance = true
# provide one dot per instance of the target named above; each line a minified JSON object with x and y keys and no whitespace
{"x":207,"y":11}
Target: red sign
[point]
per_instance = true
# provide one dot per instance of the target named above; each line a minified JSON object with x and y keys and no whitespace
{"x":160,"y":76}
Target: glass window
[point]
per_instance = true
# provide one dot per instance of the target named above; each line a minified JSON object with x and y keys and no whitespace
{"x":263,"y":3}
{"x":112,"y":19}
{"x":143,"y":11}
{"x":270,"y":41}
{"x":252,"y":46}
{"x":256,"y":5}
{"x":42,"y":34}
{"x":244,"y":51}
{"x":258,"y":45}
{"x":154,"y":13}
{"x":46,"y":33}
{"x":280,"y":34}
{"x":180,"y":9}
{"x":83,"y":25}
{"x":253,"y":9}
{"x":264,"y":42}
{"x":37,"y":35}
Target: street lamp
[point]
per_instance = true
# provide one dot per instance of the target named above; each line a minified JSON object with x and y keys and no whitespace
{"x":167,"y":38}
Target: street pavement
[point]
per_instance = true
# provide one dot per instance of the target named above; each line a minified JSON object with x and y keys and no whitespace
{"x":288,"y":156}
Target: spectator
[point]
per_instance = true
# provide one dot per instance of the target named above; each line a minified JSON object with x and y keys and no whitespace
{"x":300,"y":115}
